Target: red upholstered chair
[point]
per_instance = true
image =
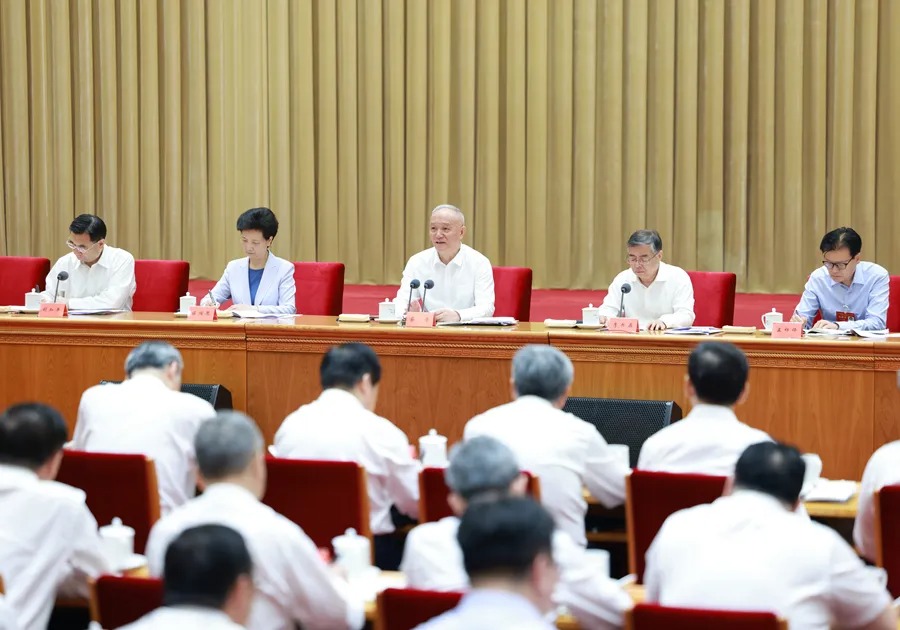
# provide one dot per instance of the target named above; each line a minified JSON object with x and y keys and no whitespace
{"x":324,"y":498}
{"x":433,"y":493}
{"x":159,"y":285}
{"x":893,"y":313}
{"x":512,"y":292}
{"x":654,"y":617}
{"x":320,"y":287}
{"x":19,"y":275}
{"x":118,"y":601}
{"x":406,"y":608}
{"x":713,"y":297}
{"x":116,"y":485}
{"x":652,"y":497}
{"x":887,"y":548}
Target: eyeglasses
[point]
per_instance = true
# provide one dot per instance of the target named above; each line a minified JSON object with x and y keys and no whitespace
{"x":633,"y":260}
{"x":840,"y":266}
{"x":81,"y":249}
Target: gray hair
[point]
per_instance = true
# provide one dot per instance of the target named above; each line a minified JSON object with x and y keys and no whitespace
{"x":544,"y":371}
{"x":453,"y":209}
{"x":152,"y":354}
{"x":481,"y":465}
{"x":646,"y":237}
{"x":226,"y":444}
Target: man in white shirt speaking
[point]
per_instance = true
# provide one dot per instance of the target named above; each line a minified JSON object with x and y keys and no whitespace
{"x":749,"y":550}
{"x":341,"y":425}
{"x":710,"y":438}
{"x":49,"y":545}
{"x":484,"y":469}
{"x":567,"y":453}
{"x":463,"y":278}
{"x":208,"y":582}
{"x":100,"y":276}
{"x":147,"y":414}
{"x":293,"y":583}
{"x":659,"y":295}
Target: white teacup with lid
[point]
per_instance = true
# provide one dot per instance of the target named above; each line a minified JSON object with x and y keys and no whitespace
{"x":770,"y":318}
{"x":386,"y":309}
{"x":353,"y":553}
{"x":118,"y":543}
{"x":590,"y":315}
{"x":433,"y":449}
{"x":186,"y":301}
{"x":33,"y":299}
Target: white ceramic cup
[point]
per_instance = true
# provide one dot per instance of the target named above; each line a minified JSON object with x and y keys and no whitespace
{"x":118,"y":543}
{"x":433,"y":449}
{"x":622,"y":453}
{"x":770,"y":318}
{"x":386,"y":310}
{"x":185,"y":302}
{"x":353,"y":552}
{"x":590,"y":315}
{"x":32,"y":300}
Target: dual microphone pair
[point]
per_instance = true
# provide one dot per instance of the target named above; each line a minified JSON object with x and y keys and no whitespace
{"x":415,"y":284}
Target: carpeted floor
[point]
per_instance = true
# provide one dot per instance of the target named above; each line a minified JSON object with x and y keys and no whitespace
{"x":556,"y":303}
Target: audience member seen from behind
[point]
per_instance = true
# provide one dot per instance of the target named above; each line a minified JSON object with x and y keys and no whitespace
{"x":208,"y":580}
{"x":147,"y":414}
{"x":100,"y":276}
{"x":660,"y":295}
{"x":484,"y":469}
{"x":341,"y":424}
{"x":710,"y":439}
{"x":882,"y":470}
{"x":293,"y":584}
{"x":749,"y":551}
{"x":567,"y":453}
{"x":51,"y":547}
{"x":507,"y":552}
{"x":463,"y":278}
{"x":849,"y":293}
{"x":262,"y":281}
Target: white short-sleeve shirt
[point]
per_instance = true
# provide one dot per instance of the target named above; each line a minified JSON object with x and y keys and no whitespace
{"x":669,"y":298}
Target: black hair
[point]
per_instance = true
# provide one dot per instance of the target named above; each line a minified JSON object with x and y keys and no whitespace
{"x":841,"y":238}
{"x":261,"y":219}
{"x":30,"y":434}
{"x":718,"y":371}
{"x":345,"y":365}
{"x":89,"y":224}
{"x":772,"y":468}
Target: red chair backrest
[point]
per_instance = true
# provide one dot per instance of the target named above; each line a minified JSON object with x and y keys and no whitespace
{"x":320,"y":287}
{"x":512,"y":292}
{"x":654,"y":617}
{"x":118,"y":601}
{"x":160,"y":283}
{"x":406,"y":608}
{"x":652,"y":498}
{"x":713,"y":297}
{"x":887,"y":520}
{"x":323,"y":497}
{"x":19,"y":275}
{"x":893,"y":312}
{"x":433,"y":493}
{"x":116,"y":485}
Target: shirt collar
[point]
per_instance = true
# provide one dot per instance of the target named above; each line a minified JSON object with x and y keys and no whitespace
{"x":148,"y":380}
{"x":457,"y":261}
{"x":105,"y":258}
{"x":754,"y":501}
{"x":494,"y":598}
{"x":335,"y":395}
{"x":17,"y":475}
{"x":231,"y":491}
{"x":712,"y":412}
{"x":664,"y":273}
{"x":534,"y":400}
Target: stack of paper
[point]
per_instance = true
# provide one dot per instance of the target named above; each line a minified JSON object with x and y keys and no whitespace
{"x":484,"y":321}
{"x":694,"y":330}
{"x":832,"y":491}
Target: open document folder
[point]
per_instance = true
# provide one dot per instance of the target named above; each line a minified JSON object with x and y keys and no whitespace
{"x":484,"y":321}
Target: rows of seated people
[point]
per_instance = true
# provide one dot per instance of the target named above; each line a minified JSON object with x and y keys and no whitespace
{"x":753,"y":549}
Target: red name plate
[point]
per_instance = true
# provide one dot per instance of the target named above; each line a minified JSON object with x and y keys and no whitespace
{"x":53,"y":309}
{"x":203,"y":314}
{"x":419,"y":320}
{"x":787,"y":330}
{"x":623,"y":324}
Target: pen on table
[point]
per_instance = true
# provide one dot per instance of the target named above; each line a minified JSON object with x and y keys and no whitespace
{"x":211,"y":298}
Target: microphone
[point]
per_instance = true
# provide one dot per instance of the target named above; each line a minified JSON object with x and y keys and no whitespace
{"x":626,"y":288}
{"x":429,"y":284}
{"x":62,"y":276}
{"x":413,"y":284}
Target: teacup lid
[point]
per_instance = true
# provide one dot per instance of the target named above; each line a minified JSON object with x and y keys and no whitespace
{"x":433,"y":438}
{"x":349,"y":540}
{"x":117,"y":530}
{"x":590,"y":305}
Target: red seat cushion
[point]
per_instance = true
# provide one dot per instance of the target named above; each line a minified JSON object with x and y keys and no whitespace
{"x":160,"y":283}
{"x":406,"y":608}
{"x":512,"y":292}
{"x":654,"y":617}
{"x":118,"y":601}
{"x":713,"y":297}
{"x":433,"y":493}
{"x":893,"y":313}
{"x":19,"y":275}
{"x":320,"y":287}
{"x":889,"y":524}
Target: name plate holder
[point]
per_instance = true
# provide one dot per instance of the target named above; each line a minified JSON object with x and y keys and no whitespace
{"x":787,"y":330}
{"x":419,"y":320}
{"x":53,"y":309}
{"x":202,"y":314}
{"x":623,"y":324}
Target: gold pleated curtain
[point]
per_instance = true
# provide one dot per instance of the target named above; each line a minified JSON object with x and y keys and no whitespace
{"x":741,"y":129}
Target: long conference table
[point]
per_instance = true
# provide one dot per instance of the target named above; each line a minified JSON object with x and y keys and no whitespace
{"x":838,"y":398}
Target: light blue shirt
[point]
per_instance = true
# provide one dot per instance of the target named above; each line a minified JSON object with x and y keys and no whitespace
{"x":484,"y":609}
{"x":866,"y":297}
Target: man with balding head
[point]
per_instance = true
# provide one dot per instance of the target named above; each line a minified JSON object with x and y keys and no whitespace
{"x":463,"y":278}
{"x":293,"y":584}
{"x":566,"y":452}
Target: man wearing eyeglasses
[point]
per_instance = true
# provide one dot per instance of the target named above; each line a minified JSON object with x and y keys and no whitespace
{"x":849,"y":293}
{"x":661,"y":295}
{"x":100,"y":276}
